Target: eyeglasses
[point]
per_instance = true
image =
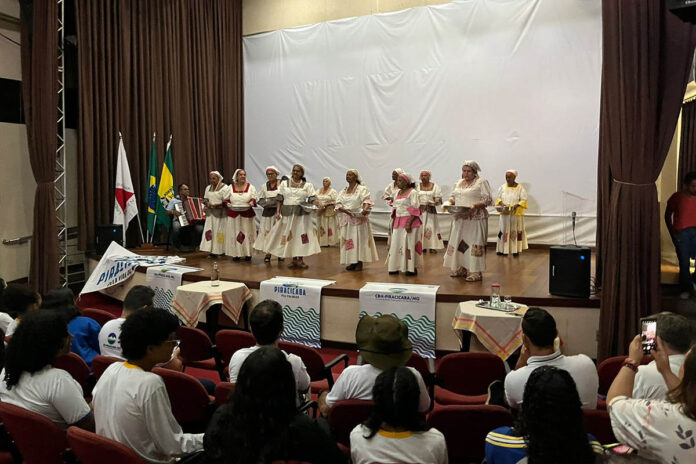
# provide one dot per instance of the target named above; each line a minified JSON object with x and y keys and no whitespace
{"x":175,"y":343}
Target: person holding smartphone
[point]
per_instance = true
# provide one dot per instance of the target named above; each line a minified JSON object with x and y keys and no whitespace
{"x":662,"y":430}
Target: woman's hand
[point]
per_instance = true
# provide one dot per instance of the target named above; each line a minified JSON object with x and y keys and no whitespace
{"x":635,"y":349}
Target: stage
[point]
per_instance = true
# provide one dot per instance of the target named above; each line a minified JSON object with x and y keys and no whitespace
{"x":525,"y":279}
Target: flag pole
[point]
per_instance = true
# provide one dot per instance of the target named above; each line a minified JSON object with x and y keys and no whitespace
{"x":123,"y":226}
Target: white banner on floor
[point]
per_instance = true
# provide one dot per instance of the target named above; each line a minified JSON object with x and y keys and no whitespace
{"x":412,"y":304}
{"x":301,"y":302}
{"x":118,"y":264}
{"x":164,"y":280}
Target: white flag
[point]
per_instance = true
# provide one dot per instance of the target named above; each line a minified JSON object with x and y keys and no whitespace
{"x":125,"y":206}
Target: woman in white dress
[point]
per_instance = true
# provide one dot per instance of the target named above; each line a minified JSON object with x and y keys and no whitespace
{"x":353,"y":206}
{"x":512,"y":236}
{"x":406,"y":247}
{"x":388,"y":196}
{"x":241,"y":224}
{"x":326,"y":216}
{"x":269,"y":190}
{"x":466,"y":249}
{"x":213,"y":240}
{"x":430,"y":195}
{"x":294,"y":234}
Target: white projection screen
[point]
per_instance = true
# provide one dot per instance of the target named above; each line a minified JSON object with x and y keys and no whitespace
{"x":512,"y":84}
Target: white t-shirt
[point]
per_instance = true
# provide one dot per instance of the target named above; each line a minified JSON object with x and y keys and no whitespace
{"x":657,"y":429}
{"x":51,"y":392}
{"x":397,"y":447}
{"x":299,"y":370}
{"x":356,"y":382}
{"x":131,"y":406}
{"x":11,"y":327}
{"x":5,"y":321}
{"x":580,"y":367}
{"x":649,"y":383}
{"x":109,"y":338}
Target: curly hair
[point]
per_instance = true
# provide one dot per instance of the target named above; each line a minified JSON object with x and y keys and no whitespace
{"x":18,"y":299}
{"x":685,"y":392}
{"x":36,"y":343}
{"x":396,"y":395}
{"x":146,"y":328}
{"x":551,"y":419}
{"x":253,"y":426}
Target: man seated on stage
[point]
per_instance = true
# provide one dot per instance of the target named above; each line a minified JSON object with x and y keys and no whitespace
{"x":677,"y":336}
{"x":131,"y":404}
{"x":538,"y":336}
{"x":383,"y":343}
{"x":680,"y":218}
{"x":190,"y":234}
{"x":266,"y":321}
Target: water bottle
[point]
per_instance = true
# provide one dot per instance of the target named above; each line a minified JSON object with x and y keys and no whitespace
{"x":495,"y":296}
{"x":215,"y":276}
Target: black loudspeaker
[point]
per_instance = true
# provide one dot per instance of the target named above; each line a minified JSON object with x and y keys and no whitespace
{"x":106,"y":234}
{"x":685,"y":9}
{"x":569,"y":271}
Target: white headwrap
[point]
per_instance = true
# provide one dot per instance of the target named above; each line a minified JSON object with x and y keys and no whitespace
{"x":273,"y":168}
{"x":512,"y":171}
{"x":217,"y":173}
{"x":329,"y":179}
{"x":473,"y":165}
{"x":398,"y":171}
{"x":234,"y":176}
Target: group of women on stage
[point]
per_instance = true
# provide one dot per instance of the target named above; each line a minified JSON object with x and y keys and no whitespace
{"x":287,"y":230}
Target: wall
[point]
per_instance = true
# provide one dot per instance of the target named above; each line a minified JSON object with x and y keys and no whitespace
{"x":270,"y":15}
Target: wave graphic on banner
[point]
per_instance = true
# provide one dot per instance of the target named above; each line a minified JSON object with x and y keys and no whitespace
{"x":421,"y":332}
{"x":163,"y":298}
{"x":301,"y":326}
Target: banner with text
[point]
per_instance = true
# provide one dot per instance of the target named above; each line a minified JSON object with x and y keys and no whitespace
{"x":301,"y":302}
{"x":412,"y":304}
{"x":118,"y":264}
{"x":164,"y":280}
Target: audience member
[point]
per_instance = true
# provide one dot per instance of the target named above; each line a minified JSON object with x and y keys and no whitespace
{"x":680,"y":218}
{"x":549,"y":428}
{"x":266,"y":321}
{"x":138,"y":297}
{"x":661,"y":430}
{"x":538,"y":335}
{"x":19,"y":301}
{"x":5,"y":319}
{"x":30,"y":380}
{"x":396,"y":430}
{"x":261,"y":423}
{"x":84,"y":330}
{"x":131,"y":404}
{"x":383,"y":343}
{"x":676,"y":333}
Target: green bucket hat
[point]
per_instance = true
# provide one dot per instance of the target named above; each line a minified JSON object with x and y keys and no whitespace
{"x":383,"y":341}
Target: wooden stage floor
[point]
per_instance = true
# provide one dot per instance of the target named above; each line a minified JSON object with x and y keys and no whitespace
{"x":525,"y":279}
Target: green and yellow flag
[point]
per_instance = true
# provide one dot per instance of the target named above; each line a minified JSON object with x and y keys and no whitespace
{"x":165,"y":191}
{"x":152,"y":189}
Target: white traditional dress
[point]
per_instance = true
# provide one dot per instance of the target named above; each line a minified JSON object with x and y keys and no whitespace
{"x":390,"y":191}
{"x":268,"y":217}
{"x":432,"y":239}
{"x":512,"y":236}
{"x":467,"y":243}
{"x":327,"y":226}
{"x":241,"y":227}
{"x":294,"y":235}
{"x":213,"y":240}
{"x":406,"y":248}
{"x":357,"y":242}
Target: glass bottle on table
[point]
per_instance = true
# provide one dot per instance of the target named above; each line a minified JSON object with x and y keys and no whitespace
{"x":215,"y":276}
{"x":495,"y":296}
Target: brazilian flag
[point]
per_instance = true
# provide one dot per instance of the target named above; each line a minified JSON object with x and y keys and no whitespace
{"x":165,"y":191}
{"x":152,"y":190}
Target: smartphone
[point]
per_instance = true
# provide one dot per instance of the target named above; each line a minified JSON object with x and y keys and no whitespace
{"x":648,"y":334}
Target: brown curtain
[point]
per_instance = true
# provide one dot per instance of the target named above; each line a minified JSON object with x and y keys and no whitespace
{"x":687,"y":143}
{"x":166,"y":66}
{"x":647,"y":53}
{"x":39,"y":91}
